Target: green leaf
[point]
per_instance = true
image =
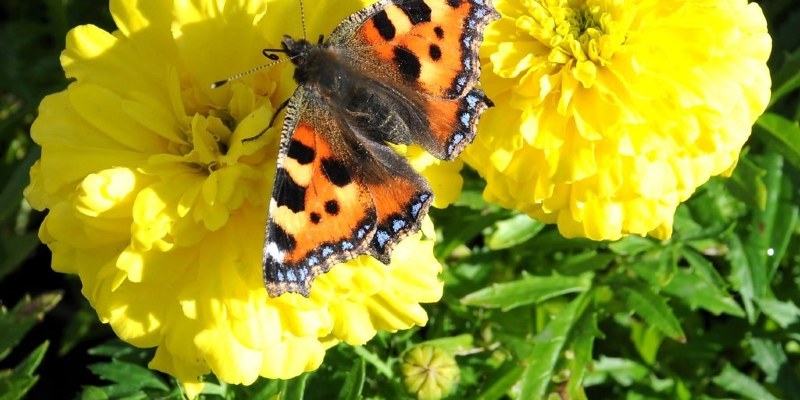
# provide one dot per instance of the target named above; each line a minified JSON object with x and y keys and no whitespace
{"x":295,"y":388}
{"x":632,"y":245}
{"x":14,"y":249}
{"x":513,"y":231}
{"x":585,"y":262}
{"x":651,"y":307}
{"x":452,"y":344}
{"x":528,"y":290}
{"x":11,"y":191}
{"x":93,"y":393}
{"x":694,"y":290}
{"x":734,"y":381}
{"x":621,"y":370}
{"x":16,"y":323}
{"x":542,"y":361}
{"x":782,"y":133}
{"x":704,"y":268}
{"x":787,"y":79}
{"x":581,"y":346}
{"x":32,"y":361}
{"x":786,"y":314}
{"x":746,"y":275}
{"x":15,"y":387}
{"x":354,"y":383}
{"x":770,"y":357}
{"x":500,"y":383}
{"x":787,"y":215}
{"x":130,"y":377}
{"x":382,"y":366}
{"x":747,"y":183}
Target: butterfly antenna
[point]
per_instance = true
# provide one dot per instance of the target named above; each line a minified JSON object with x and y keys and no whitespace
{"x":303,"y":18}
{"x":245,"y":73}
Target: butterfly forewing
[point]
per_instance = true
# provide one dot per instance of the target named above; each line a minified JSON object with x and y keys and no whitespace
{"x":401,"y":71}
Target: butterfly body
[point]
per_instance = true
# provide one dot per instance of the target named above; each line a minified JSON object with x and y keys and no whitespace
{"x":385,"y":75}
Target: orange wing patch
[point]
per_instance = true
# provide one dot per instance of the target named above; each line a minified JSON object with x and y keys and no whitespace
{"x":320,"y":213}
{"x":399,"y":205}
{"x":431,"y":42}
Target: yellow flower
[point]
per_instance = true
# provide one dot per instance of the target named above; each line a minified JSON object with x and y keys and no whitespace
{"x":611,"y":113}
{"x":159,"y":207}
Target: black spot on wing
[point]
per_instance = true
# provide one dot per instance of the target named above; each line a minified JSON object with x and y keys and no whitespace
{"x":332,"y":207}
{"x":315,"y":218}
{"x":408,"y":63}
{"x":417,"y":11}
{"x":300,"y":152}
{"x":454,"y":3}
{"x":439,"y":32}
{"x":336,"y":172}
{"x":290,"y":194}
{"x":384,"y":25}
{"x":283,"y":240}
{"x":435,"y":52}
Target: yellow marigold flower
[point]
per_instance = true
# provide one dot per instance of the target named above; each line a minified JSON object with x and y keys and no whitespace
{"x":159,"y":207}
{"x":429,"y":372}
{"x":611,"y":113}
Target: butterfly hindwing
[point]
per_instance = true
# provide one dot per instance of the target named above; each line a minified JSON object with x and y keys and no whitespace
{"x":320,"y":213}
{"x":337,"y":194}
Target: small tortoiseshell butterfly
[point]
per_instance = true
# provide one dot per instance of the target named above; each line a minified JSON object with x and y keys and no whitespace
{"x":399,"y":71}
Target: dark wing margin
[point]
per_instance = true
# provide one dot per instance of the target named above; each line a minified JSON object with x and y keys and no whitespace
{"x":337,"y":195}
{"x":320,"y":213}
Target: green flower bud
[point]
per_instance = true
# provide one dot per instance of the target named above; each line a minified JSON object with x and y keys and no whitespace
{"x":429,"y":372}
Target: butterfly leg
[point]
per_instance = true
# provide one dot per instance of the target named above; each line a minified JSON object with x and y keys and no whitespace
{"x":271,"y":121}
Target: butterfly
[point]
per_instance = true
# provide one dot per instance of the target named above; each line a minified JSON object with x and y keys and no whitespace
{"x":399,"y":71}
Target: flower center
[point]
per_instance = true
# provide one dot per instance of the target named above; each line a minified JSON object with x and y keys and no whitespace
{"x":578,"y":33}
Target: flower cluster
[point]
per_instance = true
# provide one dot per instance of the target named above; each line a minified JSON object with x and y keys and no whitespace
{"x":611,"y":113}
{"x":159,"y":206}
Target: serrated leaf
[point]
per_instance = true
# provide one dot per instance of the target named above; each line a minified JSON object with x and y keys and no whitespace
{"x":549,"y":343}
{"x":528,"y":290}
{"x":622,"y":370}
{"x":93,"y":393}
{"x":452,"y":344}
{"x":652,"y":308}
{"x":32,"y":361}
{"x":770,"y":357}
{"x":702,"y":267}
{"x":513,"y":231}
{"x":132,"y":376}
{"x":113,"y":348}
{"x":15,"y":387}
{"x":585,"y":262}
{"x":15,"y":324}
{"x":631,"y":245}
{"x":784,"y":313}
{"x":745,"y":274}
{"x":734,"y":381}
{"x":783,"y":133}
{"x":354,"y":383}
{"x":692,"y":289}
{"x":747,"y":183}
